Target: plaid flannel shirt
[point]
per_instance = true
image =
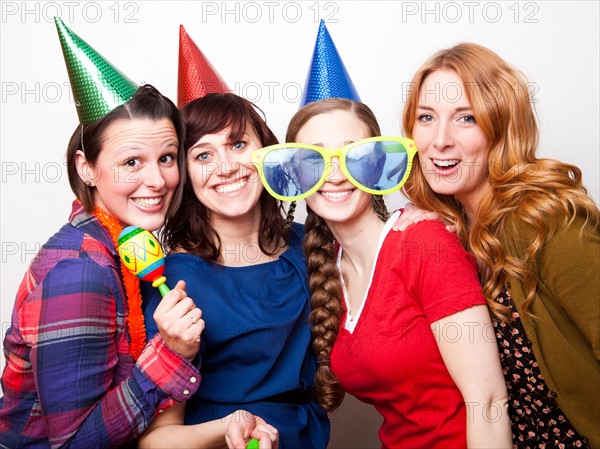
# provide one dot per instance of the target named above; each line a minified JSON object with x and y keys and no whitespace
{"x":69,"y":379}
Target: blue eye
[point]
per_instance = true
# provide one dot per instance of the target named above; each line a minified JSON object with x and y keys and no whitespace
{"x":425,"y":118}
{"x":313,"y":156}
{"x":468,"y":119}
{"x":239,"y":145}
{"x":203,"y":157}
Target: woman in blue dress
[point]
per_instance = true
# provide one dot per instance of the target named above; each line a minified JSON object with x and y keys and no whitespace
{"x":244,"y":268}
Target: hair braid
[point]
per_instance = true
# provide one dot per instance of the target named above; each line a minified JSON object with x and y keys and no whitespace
{"x":289,"y":217}
{"x":326,"y":294}
{"x":380,"y":208}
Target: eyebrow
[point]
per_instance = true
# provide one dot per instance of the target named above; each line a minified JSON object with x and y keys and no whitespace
{"x":244,"y":135}
{"x":201,"y":145}
{"x":210,"y":145}
{"x":429,"y":108}
{"x":346,"y":142}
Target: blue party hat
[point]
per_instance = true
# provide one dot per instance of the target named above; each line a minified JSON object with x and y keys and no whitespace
{"x":327,"y":77}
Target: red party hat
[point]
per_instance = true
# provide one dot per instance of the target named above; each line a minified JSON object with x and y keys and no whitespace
{"x":197,"y":77}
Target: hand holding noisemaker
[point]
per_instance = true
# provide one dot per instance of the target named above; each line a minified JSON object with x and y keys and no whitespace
{"x":141,"y":254}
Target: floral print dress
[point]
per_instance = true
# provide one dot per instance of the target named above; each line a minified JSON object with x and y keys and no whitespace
{"x":537,"y":420}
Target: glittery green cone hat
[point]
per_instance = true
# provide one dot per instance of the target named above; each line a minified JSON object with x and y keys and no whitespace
{"x":98,"y":87}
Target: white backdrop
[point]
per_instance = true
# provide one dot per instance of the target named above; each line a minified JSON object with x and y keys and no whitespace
{"x":262,"y":49}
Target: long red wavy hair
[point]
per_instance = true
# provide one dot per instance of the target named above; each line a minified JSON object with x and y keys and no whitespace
{"x":542,"y":192}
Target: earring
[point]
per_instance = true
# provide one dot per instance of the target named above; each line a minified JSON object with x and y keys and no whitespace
{"x":89,"y":183}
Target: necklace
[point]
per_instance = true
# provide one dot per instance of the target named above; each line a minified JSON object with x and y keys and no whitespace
{"x":135,"y":319}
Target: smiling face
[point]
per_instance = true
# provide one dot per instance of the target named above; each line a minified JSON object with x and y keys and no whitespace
{"x":222,"y":175}
{"x":453,"y":149}
{"x":136,"y":172}
{"x":337,"y":200}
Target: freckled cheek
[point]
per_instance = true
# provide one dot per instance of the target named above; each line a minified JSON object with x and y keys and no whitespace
{"x":422,"y":143}
{"x":423,"y":160}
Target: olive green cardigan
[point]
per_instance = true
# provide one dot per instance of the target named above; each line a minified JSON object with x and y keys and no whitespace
{"x":565,"y":333}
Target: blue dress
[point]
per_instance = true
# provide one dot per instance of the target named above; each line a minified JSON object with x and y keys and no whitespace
{"x":256,"y":352}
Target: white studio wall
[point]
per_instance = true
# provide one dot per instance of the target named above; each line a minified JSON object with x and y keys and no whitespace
{"x":263,"y":49}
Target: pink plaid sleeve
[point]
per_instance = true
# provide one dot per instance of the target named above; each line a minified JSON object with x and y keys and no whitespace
{"x":169,"y":371}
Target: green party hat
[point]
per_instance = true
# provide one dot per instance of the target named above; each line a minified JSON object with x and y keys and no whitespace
{"x":98,"y":87}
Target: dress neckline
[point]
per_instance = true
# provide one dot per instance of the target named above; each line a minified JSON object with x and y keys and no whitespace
{"x":351,"y":322}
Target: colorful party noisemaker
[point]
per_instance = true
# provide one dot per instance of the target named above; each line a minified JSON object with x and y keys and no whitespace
{"x":141,"y":254}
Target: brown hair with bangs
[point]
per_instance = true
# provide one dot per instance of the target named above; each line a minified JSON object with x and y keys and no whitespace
{"x":146,"y":103}
{"x":189,"y":229}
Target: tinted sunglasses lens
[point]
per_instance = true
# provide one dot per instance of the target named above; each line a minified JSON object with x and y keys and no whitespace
{"x":378,"y":165}
{"x":290,"y":172}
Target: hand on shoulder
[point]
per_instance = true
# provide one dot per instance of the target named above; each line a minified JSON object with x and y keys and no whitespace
{"x":411,"y":214}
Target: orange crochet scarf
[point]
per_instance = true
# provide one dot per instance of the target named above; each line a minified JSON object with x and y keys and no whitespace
{"x":135,"y":319}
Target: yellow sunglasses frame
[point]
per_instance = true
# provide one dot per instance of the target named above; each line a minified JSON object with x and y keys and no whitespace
{"x":258,"y":158}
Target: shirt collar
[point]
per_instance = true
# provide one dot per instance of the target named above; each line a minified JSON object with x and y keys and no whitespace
{"x":89,"y":224}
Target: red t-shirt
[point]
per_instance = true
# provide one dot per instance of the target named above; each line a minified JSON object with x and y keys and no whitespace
{"x":392,"y":360}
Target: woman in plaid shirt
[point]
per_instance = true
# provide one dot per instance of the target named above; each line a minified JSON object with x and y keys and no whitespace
{"x":79,"y":372}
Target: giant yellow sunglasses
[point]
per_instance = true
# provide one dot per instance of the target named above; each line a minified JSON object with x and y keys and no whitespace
{"x":377,"y":165}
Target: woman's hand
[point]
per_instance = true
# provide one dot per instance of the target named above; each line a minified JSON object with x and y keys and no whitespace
{"x":411,"y":214}
{"x":180,"y":322}
{"x":244,"y":425}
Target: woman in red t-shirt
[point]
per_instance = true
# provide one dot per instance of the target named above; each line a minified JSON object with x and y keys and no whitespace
{"x":399,"y":319}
